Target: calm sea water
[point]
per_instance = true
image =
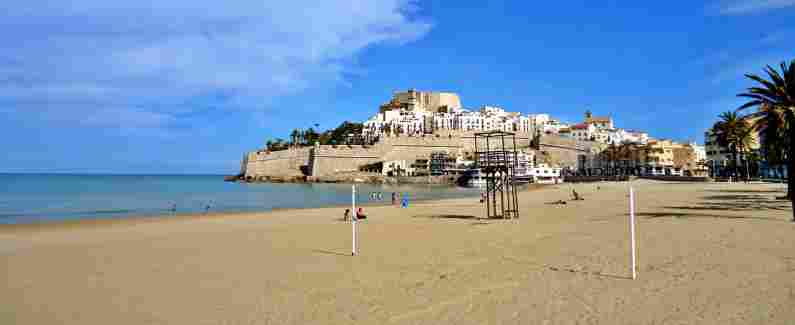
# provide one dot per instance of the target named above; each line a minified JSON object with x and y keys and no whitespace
{"x":26,"y":198}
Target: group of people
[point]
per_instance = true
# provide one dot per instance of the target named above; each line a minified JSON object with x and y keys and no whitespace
{"x":359,"y":214}
{"x":403,"y":198}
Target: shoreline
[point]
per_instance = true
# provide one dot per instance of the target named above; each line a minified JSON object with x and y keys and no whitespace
{"x":424,"y":192}
{"x":182,"y":217}
{"x":149,"y":218}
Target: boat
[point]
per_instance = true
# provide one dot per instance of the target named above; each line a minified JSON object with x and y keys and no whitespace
{"x":544,"y":174}
{"x":474,"y":178}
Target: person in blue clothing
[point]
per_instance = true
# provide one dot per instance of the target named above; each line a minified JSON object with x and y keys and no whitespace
{"x":405,"y":202}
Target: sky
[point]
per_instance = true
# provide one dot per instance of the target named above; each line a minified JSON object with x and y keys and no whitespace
{"x":187,"y":87}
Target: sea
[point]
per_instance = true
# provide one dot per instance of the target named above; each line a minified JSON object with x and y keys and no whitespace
{"x":33,"y":198}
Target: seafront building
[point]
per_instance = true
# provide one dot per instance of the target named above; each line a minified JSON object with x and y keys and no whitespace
{"x":718,"y":158}
{"x":655,"y":158}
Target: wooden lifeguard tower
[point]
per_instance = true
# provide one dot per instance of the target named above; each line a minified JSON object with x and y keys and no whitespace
{"x":496,"y":156}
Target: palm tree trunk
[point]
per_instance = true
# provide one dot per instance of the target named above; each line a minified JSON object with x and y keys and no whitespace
{"x":735,"y":170}
{"x":790,"y":170}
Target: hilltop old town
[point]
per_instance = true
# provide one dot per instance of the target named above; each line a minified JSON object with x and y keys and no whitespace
{"x":427,"y":133}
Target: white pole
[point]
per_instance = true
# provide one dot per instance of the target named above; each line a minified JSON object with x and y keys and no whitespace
{"x":632,"y":228}
{"x":353,"y":218}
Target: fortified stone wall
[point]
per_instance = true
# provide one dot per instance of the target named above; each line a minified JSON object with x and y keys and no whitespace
{"x":564,"y":151}
{"x":412,"y":148}
{"x":278,"y":163}
{"x":328,"y":160}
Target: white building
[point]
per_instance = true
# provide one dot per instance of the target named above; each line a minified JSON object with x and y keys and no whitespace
{"x":583,"y":132}
{"x":544,"y":174}
{"x":700,"y":151}
{"x":415,"y":113}
{"x":634,"y":136}
{"x":616,"y":136}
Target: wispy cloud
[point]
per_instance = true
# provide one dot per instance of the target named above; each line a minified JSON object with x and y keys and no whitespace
{"x":743,"y":7}
{"x":142,"y":61}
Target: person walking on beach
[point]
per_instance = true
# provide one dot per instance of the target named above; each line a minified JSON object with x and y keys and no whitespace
{"x":394,"y":198}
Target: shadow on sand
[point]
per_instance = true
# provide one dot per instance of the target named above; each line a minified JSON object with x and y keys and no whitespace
{"x":686,"y":215}
{"x":600,"y":274}
{"x":328,"y":252}
{"x":747,"y":191}
{"x":716,"y":206}
{"x":448,"y":216}
{"x":478,"y":221}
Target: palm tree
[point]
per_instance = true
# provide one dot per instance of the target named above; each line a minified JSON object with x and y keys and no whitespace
{"x":745,"y":139}
{"x":732,"y":131}
{"x":294,"y":136}
{"x":778,"y":94}
{"x":772,"y":127}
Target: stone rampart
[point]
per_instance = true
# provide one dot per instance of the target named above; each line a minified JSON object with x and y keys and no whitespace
{"x":329,"y":160}
{"x":411,"y":148}
{"x":277,"y":163}
{"x":326,"y":160}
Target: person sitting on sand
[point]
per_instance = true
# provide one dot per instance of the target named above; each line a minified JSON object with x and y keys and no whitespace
{"x":576,"y":196}
{"x":360,"y":214}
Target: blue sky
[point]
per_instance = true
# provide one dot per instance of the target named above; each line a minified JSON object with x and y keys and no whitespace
{"x":189,"y":86}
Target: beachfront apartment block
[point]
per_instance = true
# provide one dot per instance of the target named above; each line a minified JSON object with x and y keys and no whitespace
{"x":655,"y":158}
{"x":719,"y":157}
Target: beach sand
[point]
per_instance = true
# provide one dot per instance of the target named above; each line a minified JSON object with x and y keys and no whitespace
{"x":707,"y":254}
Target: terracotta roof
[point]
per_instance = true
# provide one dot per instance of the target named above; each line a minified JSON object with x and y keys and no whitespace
{"x":580,"y":126}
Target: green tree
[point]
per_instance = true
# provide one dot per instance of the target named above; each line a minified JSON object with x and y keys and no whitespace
{"x":732,"y":131}
{"x":745,"y":140}
{"x":310,"y":136}
{"x":778,"y":94}
{"x":771,"y":125}
{"x":294,"y":136}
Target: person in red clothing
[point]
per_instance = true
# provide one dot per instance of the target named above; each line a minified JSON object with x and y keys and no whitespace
{"x":360,"y":214}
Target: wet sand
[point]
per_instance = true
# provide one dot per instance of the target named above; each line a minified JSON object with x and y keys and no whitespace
{"x":707,"y":253}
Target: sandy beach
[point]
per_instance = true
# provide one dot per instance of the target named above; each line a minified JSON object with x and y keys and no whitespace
{"x":707,"y":254}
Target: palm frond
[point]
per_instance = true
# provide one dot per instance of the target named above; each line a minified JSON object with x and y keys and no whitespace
{"x":775,"y":76}
{"x":751,"y":104}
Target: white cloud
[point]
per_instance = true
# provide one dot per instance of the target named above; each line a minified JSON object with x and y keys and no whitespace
{"x":742,"y":7}
{"x":116,"y":54}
